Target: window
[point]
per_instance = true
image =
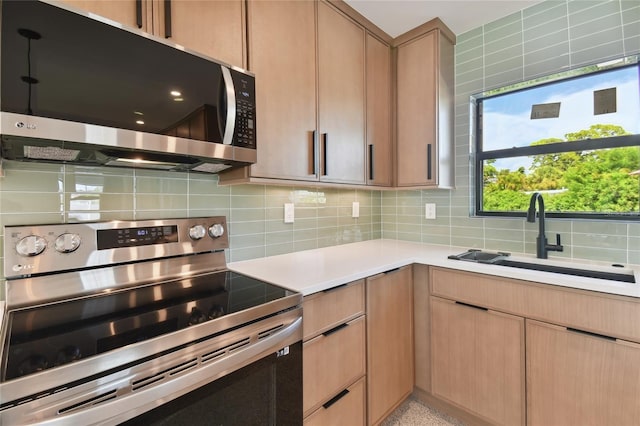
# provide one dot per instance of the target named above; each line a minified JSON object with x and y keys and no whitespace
{"x":573,"y":138}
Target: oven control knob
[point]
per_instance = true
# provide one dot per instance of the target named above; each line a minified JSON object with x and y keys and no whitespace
{"x":197,"y":232}
{"x":216,"y":230}
{"x":32,"y":245}
{"x":67,"y":243}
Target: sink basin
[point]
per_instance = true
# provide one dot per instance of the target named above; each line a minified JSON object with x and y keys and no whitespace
{"x":503,"y":259}
{"x":626,"y":277}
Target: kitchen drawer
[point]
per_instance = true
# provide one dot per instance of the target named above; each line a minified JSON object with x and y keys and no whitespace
{"x":331,"y":362}
{"x":324,"y":310}
{"x":610,"y":315}
{"x":346,"y":408}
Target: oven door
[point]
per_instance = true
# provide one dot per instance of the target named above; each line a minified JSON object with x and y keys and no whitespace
{"x":266,"y":392}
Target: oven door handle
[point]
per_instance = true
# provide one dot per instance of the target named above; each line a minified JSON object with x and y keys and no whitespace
{"x":124,"y":407}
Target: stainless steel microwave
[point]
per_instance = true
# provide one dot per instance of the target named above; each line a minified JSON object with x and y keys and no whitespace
{"x":81,"y":89}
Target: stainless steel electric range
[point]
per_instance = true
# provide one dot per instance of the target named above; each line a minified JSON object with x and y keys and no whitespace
{"x":141,"y":322}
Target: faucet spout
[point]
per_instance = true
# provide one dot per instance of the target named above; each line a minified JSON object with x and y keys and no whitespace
{"x":541,"y":241}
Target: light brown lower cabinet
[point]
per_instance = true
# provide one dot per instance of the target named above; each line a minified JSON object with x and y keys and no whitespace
{"x":478,"y":361}
{"x":576,"y":378}
{"x":389,"y":341}
{"x":346,"y":408}
{"x":334,"y":357}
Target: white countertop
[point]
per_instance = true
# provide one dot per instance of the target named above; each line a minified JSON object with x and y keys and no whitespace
{"x":315,"y":270}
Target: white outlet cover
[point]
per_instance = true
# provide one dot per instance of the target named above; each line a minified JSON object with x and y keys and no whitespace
{"x":430,"y":211}
{"x":289,"y":213}
{"x":355,"y":209}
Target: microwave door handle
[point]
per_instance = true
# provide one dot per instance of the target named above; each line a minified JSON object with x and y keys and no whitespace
{"x":230,"y":106}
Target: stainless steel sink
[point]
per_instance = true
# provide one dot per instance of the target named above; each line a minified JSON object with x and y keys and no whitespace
{"x":626,"y":277}
{"x":503,"y":259}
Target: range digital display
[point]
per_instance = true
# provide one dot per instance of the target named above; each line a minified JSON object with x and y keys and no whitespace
{"x":134,"y":237}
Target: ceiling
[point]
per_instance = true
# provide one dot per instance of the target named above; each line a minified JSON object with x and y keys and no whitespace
{"x":396,"y":17}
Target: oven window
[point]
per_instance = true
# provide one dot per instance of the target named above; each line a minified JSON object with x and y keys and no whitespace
{"x":266,"y":392}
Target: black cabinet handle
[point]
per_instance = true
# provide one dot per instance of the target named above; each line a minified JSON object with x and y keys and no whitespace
{"x":588,"y":333}
{"x":371,"y":162}
{"x":325,"y":138}
{"x":428,"y":161}
{"x":314,"y":147}
{"x":335,"y":329}
{"x":335,"y":399}
{"x":139,"y":13}
{"x":472,"y":306}
{"x":167,"y":18}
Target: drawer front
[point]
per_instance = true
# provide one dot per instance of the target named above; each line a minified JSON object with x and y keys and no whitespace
{"x":346,"y":408}
{"x":324,"y":310}
{"x":331,"y":362}
{"x":609,"y":315}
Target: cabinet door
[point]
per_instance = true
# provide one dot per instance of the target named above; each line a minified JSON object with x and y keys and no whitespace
{"x":389,"y":341}
{"x":283,"y":57}
{"x":213,"y":28}
{"x":341,"y":98}
{"x":416,"y":114}
{"x":123,"y":11}
{"x":379,"y":154}
{"x":478,"y":361}
{"x":575,"y":378}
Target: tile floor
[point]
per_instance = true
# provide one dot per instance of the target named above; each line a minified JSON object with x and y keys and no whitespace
{"x":414,"y":413}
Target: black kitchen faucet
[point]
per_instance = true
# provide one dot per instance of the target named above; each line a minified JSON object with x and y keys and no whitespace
{"x":541,"y":242}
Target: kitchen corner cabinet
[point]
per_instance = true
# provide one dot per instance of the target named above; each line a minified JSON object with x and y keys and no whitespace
{"x":378,"y":85}
{"x":310,"y":94}
{"x":478,"y":360}
{"x":334,"y":357}
{"x":580,"y":378}
{"x":212,"y":28}
{"x":389,"y":341}
{"x":425,"y":112}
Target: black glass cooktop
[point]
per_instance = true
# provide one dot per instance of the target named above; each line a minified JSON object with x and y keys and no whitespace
{"x":49,"y":336}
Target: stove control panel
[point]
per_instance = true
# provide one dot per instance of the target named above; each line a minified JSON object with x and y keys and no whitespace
{"x":52,"y":248}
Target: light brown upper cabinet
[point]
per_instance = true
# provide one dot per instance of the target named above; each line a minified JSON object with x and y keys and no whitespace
{"x":424,"y":111}
{"x":212,"y":28}
{"x":310,"y":94}
{"x":379,"y":146}
{"x":340,"y":97}
{"x":282,"y":54}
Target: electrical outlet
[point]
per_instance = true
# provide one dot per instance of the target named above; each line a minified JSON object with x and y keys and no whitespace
{"x":430,"y":211}
{"x":355,"y":209}
{"x":289,"y":213}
